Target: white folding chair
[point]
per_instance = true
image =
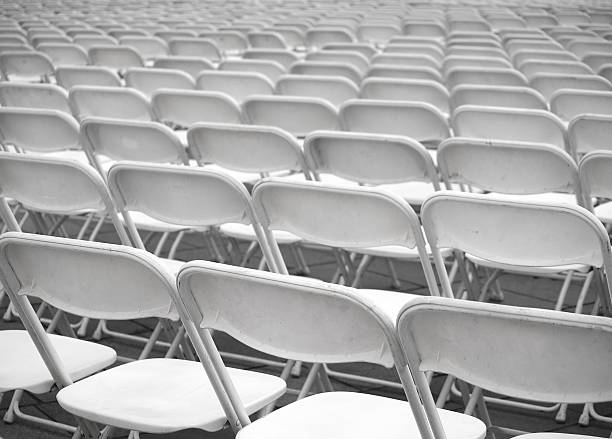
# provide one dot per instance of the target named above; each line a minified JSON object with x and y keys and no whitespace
{"x":297,"y":115}
{"x":287,"y":323}
{"x":24,"y":95}
{"x":431,"y":92}
{"x":511,"y":124}
{"x":589,"y":132}
{"x":188,"y":64}
{"x":548,"y":365}
{"x":336,"y":90}
{"x":498,"y":96}
{"x":27,"y":66}
{"x":89,"y":41}
{"x":69,"y":76}
{"x":113,"y":102}
{"x":238,"y":85}
{"x":149,"y":80}
{"x":567,"y":103}
{"x":140,"y":287}
{"x":115,"y":57}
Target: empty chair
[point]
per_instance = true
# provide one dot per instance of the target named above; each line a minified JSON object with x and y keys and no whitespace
{"x":478,"y":52}
{"x":167,"y":34}
{"x":199,"y":47}
{"x":188,"y":64}
{"x":270,"y":69}
{"x":26,"y":66}
{"x":515,"y":46}
{"x":183,"y":108}
{"x":605,"y":71}
{"x":533,"y":55}
{"x":497,"y":96}
{"x":393,"y":89}
{"x":595,"y":178}
{"x":511,"y":124}
{"x":148,"y":47}
{"x":568,"y":103}
{"x":297,"y":115}
{"x":238,"y":85}
{"x":357,"y":60}
{"x":549,"y":83}
{"x":62,"y":54}
{"x":229,"y":42}
{"x":69,"y":76}
{"x":456,"y":61}
{"x":418,"y":120}
{"x":149,"y":80}
{"x":113,"y":102}
{"x":531,"y":68}
{"x":89,"y":41}
{"x":401,"y":72}
{"x":377,"y":33}
{"x":336,"y":90}
{"x":107,"y":140}
{"x":429,"y":49}
{"x":597,"y":60}
{"x":405,"y":60}
{"x":498,"y":77}
{"x":267,"y":40}
{"x":115,"y":57}
{"x":14,"y":94}
{"x":426,"y":28}
{"x":319,"y":36}
{"x":281,"y":56}
{"x":366,"y":50}
{"x":324,"y":68}
{"x":589,"y":132}
{"x":582,"y":48}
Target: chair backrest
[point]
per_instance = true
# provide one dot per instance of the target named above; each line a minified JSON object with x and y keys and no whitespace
{"x":589,"y":132}
{"x":567,"y":103}
{"x":549,"y":83}
{"x":61,"y":187}
{"x":113,"y":102}
{"x":366,"y":50}
{"x":38,"y":130}
{"x":69,"y":76}
{"x":267,"y":40}
{"x":133,"y":140}
{"x":245,"y":148}
{"x":535,"y":234}
{"x":512,"y":124}
{"x":357,"y":60}
{"x":229,"y":42}
{"x":481,"y":76}
{"x":238,"y":85}
{"x":597,"y":59}
{"x":148,"y":80}
{"x":284,"y":57}
{"x":406,"y":60}
{"x":369,"y":158}
{"x":430,"y":49}
{"x":15,"y":94}
{"x":396,"y":89}
{"x":595,"y":176}
{"x":270,"y":69}
{"x":498,"y":96}
{"x":297,"y":115}
{"x":327,"y":68}
{"x":183,"y":108}
{"x":336,"y":90}
{"x":508,"y":167}
{"x":115,"y":57}
{"x":402,"y":72}
{"x":485,"y":62}
{"x":339,"y":217}
{"x":582,"y":47}
{"x":529,"y":55}
{"x":318,"y":36}
{"x":26,"y":64}
{"x":437,"y":334}
{"x":64,"y":54}
{"x":148,"y":47}
{"x":531,"y":68}
{"x":188,"y":64}
{"x":418,"y":120}
{"x":200,"y":47}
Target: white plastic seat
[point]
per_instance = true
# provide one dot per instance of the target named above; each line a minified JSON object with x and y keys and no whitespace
{"x":69,"y":76}
{"x":530,"y":68}
{"x":432,"y":50}
{"x":401,"y":72}
{"x":366,"y":50}
{"x":457,"y":61}
{"x":115,"y":57}
{"x":282,"y":56}
{"x":229,"y":42}
{"x":89,"y":41}
{"x":168,"y":34}
{"x":530,"y":55}
{"x":270,"y":69}
{"x":297,"y":115}
{"x":589,"y":132}
{"x":267,"y":40}
{"x":26,"y":66}
{"x":336,"y":90}
{"x":511,"y":124}
{"x":549,"y":83}
{"x":406,"y":60}
{"x":567,"y":104}
{"x":114,"y":102}
{"x":197,"y":47}
{"x":188,"y":64}
{"x":149,"y":80}
{"x":431,"y":92}
{"x":480,"y":76}
{"x":148,"y":47}
{"x":327,"y":68}
{"x":64,"y":54}
{"x":238,"y":85}
{"x":498,"y":96}
{"x":319,"y":36}
{"x":34,"y":96}
{"x":357,"y":60}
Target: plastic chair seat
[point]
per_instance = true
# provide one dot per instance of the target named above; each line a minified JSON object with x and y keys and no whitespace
{"x":528,"y":270}
{"x":245,"y":232}
{"x":145,"y":222}
{"x":340,"y":415}
{"x":163,"y":395}
{"x":25,"y":369}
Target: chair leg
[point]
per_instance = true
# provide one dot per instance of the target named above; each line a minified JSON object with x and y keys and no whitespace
{"x":361,"y":268}
{"x":396,"y":282}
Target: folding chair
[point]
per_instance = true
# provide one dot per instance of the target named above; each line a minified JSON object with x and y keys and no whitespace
{"x":431,"y":92}
{"x":238,"y":85}
{"x":287,"y":323}
{"x":589,"y":132}
{"x":188,"y":64}
{"x":437,"y":334}
{"x":24,"y":95}
{"x":511,"y":124}
{"x":197,"y":47}
{"x":148,"y":47}
{"x":64,"y":54}
{"x":549,"y":83}
{"x":418,"y":120}
{"x":114,"y":102}
{"x":182,"y":108}
{"x":69,"y":76}
{"x":149,"y":80}
{"x":141,"y":287}
{"x":26,"y":66}
{"x":295,"y":114}
{"x":498,"y":96}
{"x":336,"y":90}
{"x":282,"y":56}
{"x":270,"y":69}
{"x":567,"y":103}
{"x":594,"y":175}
